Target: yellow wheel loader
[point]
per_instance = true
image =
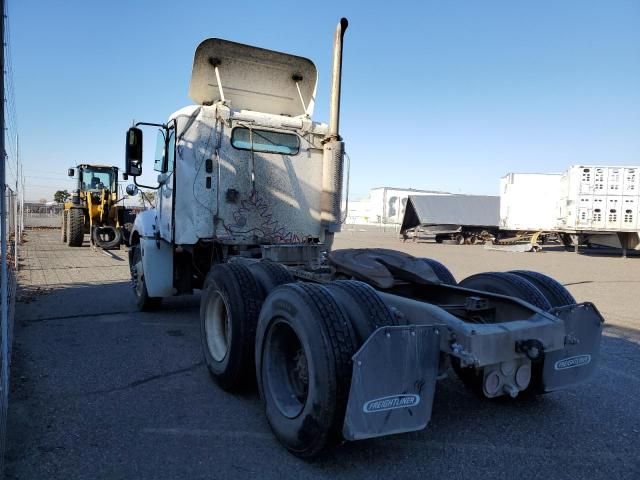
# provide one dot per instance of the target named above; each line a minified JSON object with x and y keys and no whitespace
{"x":93,"y":208}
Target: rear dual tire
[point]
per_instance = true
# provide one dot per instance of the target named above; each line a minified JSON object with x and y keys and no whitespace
{"x":232,"y":296}
{"x":297,"y":343}
{"x":441,"y":272}
{"x":305,"y":387}
{"x":229,"y":309}
{"x":306,"y":337}
{"x":555,"y":293}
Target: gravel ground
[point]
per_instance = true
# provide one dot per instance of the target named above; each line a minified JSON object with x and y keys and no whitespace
{"x":102,"y":391}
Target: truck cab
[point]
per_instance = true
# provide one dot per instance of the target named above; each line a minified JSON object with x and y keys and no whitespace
{"x":242,"y":171}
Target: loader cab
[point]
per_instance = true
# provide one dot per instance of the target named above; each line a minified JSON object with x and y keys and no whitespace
{"x":95,"y":178}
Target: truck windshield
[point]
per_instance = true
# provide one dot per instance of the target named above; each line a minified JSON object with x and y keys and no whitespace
{"x":96,"y":179}
{"x":265,"y":141}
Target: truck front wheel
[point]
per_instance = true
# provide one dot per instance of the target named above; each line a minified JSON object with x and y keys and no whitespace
{"x":144,"y":302}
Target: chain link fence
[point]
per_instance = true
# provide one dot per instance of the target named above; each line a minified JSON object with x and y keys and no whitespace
{"x":40,"y":215}
{"x":12,"y":235}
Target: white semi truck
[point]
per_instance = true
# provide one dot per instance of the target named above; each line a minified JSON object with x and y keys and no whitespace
{"x":341,"y":343}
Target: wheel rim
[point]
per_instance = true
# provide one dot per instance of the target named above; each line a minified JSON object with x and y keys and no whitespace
{"x":285,"y":369}
{"x":217,"y":326}
{"x":139,"y":279}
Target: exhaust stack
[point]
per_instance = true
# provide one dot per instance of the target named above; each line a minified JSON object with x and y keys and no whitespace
{"x":336,"y":80}
{"x":333,"y":158}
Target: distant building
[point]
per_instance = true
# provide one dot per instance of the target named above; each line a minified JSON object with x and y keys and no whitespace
{"x":384,"y":205}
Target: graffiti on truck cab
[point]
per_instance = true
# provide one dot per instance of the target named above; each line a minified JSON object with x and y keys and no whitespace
{"x":255,"y":210}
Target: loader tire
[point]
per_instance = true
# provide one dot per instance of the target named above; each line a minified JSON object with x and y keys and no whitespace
{"x":364,"y":307}
{"x":554,"y":291}
{"x":508,"y":284}
{"x":304,"y":345}
{"x":442,"y":272}
{"x":63,"y":227}
{"x":229,"y":310}
{"x":144,"y":302}
{"x":75,"y":227}
{"x":270,"y":275}
{"x":107,"y":237}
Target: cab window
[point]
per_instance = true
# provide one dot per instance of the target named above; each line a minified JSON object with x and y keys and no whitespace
{"x":265,"y":141}
{"x":158,"y":164}
{"x":165,"y":164}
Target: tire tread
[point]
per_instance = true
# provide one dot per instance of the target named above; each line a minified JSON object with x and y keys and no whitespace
{"x":527,"y":290}
{"x":441,"y":271}
{"x":554,"y":291}
{"x":75,"y":227}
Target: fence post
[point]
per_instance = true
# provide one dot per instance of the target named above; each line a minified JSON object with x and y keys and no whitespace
{"x":15,"y":230}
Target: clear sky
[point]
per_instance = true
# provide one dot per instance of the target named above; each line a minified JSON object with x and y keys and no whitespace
{"x":447,"y":95}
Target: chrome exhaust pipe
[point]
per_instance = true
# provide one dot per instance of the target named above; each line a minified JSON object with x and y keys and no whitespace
{"x":333,"y":156}
{"x":336,"y":80}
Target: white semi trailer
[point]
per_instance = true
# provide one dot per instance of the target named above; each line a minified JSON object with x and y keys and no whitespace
{"x":341,"y":343}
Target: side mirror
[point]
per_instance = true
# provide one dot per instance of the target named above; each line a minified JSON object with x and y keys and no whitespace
{"x":133,"y":160}
{"x":125,"y":176}
{"x":71,"y":172}
{"x":132,"y":190}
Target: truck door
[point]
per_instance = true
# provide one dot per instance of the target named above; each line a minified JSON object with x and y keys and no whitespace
{"x":165,"y":165}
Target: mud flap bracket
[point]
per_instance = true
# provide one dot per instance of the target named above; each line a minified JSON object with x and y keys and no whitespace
{"x":393,"y":382}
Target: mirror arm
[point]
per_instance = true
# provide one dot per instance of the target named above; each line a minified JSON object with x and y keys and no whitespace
{"x":161,"y":125}
{"x":135,"y":181}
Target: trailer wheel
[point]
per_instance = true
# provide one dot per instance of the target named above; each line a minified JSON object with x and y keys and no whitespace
{"x":144,"y":302}
{"x":365,"y":308}
{"x":304,"y":345}
{"x":63,"y":227}
{"x":270,"y":275}
{"x":554,"y":291}
{"x":510,"y":284}
{"x":107,"y":237}
{"x":442,"y":272}
{"x":229,"y":309}
{"x":75,"y":227}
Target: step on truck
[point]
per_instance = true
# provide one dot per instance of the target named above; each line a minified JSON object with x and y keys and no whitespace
{"x":342,"y":344}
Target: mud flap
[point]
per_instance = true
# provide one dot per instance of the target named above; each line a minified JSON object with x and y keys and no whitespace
{"x":393,"y":382}
{"x":577,"y":362}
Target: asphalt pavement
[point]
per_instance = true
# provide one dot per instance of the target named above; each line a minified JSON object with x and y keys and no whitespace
{"x":100,"y":391}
